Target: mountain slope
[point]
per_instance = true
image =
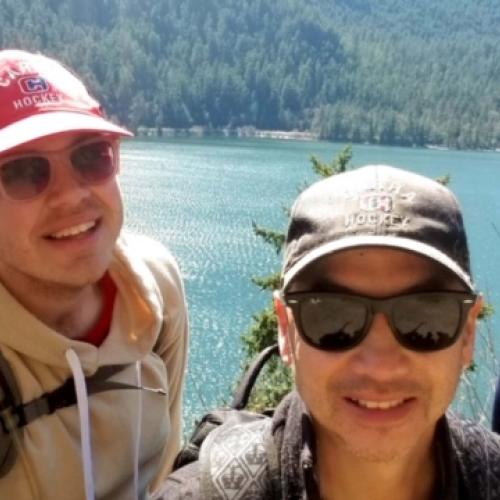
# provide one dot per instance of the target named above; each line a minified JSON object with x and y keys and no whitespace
{"x":384,"y":71}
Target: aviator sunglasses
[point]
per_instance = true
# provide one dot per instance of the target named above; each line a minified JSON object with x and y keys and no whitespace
{"x":425,"y":321}
{"x":26,"y":176}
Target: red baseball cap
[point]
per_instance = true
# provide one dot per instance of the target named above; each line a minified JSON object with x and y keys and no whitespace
{"x":40,"y":97}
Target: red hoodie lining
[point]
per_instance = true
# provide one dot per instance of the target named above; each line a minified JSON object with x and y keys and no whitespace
{"x":98,"y":333}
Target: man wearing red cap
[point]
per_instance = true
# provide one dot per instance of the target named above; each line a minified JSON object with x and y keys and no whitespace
{"x":93,"y":336}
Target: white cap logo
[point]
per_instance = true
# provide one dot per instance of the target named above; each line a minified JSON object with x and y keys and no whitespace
{"x":372,"y":202}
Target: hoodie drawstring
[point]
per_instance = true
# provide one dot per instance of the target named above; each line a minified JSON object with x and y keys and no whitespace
{"x":83,"y":412}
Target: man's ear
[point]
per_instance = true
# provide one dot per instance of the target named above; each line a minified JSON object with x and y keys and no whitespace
{"x":283,"y":329}
{"x":470,"y":331}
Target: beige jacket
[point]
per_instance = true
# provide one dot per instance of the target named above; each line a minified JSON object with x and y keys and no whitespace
{"x":132,"y":436}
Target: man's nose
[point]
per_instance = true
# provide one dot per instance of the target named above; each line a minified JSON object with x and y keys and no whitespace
{"x":65,"y":188}
{"x":380,"y":354}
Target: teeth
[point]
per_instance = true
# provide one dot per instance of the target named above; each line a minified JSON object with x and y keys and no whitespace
{"x":74,"y":231}
{"x":379,"y":405}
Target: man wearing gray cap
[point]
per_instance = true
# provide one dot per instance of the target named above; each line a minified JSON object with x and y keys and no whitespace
{"x":377,"y":315}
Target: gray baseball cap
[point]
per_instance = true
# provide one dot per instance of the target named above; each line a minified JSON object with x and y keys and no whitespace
{"x":378,"y":206}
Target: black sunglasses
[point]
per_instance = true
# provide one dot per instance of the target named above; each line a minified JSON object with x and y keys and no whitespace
{"x":26,"y":176}
{"x":426,"y":321}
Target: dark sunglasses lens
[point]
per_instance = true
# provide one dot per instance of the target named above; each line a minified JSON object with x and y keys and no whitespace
{"x":95,"y":162}
{"x":427,"y":322}
{"x":332,"y":323}
{"x":26,"y":177}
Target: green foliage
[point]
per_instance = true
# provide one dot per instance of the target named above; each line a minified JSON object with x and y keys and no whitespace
{"x":271,"y":282}
{"x":377,"y":71}
{"x":486,"y":311}
{"x":274,"y":238}
{"x":277,"y":380}
{"x":338,"y":165}
{"x":444,"y":179}
{"x":262,"y":333}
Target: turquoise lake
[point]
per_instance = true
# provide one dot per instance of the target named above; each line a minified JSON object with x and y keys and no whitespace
{"x":200,"y":196}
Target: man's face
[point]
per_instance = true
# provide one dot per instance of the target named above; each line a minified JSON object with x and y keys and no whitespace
{"x":379,"y":400}
{"x":66,"y":235}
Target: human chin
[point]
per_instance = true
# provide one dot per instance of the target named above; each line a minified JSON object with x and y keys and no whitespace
{"x":381,"y":452}
{"x":79,"y":268}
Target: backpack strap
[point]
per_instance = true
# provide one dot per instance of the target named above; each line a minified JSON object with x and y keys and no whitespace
{"x":63,"y":396}
{"x":14,"y":415}
{"x":242,"y":393}
{"x":240,"y":461}
{"x":9,"y":397}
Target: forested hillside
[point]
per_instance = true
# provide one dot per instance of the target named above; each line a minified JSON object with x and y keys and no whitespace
{"x":379,"y":71}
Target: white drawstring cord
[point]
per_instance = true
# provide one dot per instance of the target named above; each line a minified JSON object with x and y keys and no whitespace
{"x":139,"y":426}
{"x":83,"y":412}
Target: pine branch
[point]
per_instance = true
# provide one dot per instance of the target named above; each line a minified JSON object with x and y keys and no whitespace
{"x":339,"y":164}
{"x":271,"y":282}
{"x":275,"y":238}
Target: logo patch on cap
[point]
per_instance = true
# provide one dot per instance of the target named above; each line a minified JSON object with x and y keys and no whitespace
{"x":376,"y":201}
{"x":33,"y":85}
{"x":378,"y":207}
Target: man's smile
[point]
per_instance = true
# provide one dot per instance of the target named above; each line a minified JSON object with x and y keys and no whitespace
{"x":73,"y":231}
{"x":378,"y":405}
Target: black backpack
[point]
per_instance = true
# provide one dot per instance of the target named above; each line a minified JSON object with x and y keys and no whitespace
{"x":234,"y":446}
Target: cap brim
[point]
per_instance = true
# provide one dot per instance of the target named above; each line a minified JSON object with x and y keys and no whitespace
{"x":377,"y":241}
{"x":56,"y":122}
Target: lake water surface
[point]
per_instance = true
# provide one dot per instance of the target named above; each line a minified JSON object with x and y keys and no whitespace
{"x":200,"y":196}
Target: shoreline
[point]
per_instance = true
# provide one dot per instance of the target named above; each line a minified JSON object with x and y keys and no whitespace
{"x":294,"y":135}
{"x":243,"y":132}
